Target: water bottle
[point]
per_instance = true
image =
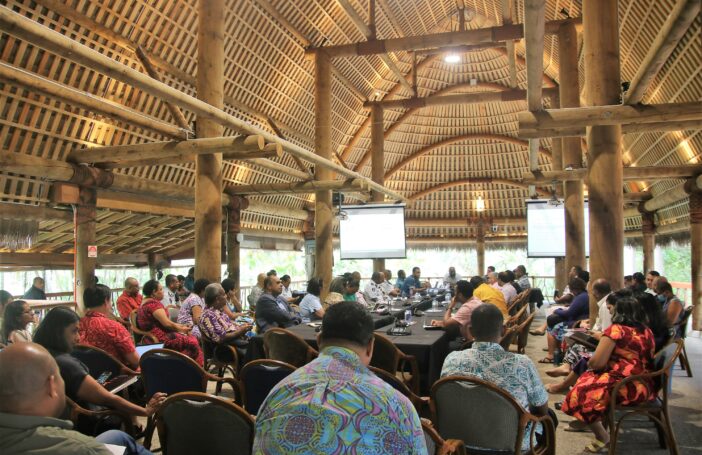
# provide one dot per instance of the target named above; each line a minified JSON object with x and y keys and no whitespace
{"x":447,"y":299}
{"x":435,"y":304}
{"x":408,"y":316}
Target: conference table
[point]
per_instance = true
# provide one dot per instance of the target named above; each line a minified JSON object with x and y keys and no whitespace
{"x":430,"y":347}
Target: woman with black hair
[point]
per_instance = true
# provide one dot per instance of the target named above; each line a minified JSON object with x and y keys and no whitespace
{"x":191,"y":308}
{"x":58,"y":333}
{"x":152,"y":317}
{"x":310,"y":306}
{"x":625,"y":349}
{"x":655,"y":319}
{"x":18,"y":315}
{"x":5,"y":298}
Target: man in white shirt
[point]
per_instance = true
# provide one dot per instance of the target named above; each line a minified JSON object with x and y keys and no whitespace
{"x":387,"y":287}
{"x":373,"y":291}
{"x":601,"y":290}
{"x":451,"y":278}
{"x":650,"y":277}
{"x":169,"y":292}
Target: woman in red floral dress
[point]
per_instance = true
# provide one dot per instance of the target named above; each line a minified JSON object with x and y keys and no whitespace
{"x":152,"y":316}
{"x":625,"y":349}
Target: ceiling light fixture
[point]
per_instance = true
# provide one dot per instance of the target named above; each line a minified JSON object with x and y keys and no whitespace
{"x":479,"y":204}
{"x":452,"y":58}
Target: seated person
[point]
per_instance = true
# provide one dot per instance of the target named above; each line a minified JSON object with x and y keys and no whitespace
{"x":461,"y":321}
{"x":486,"y":360}
{"x":97,"y":329}
{"x":216,"y":325}
{"x":565,"y":318}
{"x":522,"y":277}
{"x":18,"y":315}
{"x":625,"y":349}
{"x":170,"y":296}
{"x":334,"y":404}
{"x":256,"y":291}
{"x":488,"y":294}
{"x":32,"y":397}
{"x":401,"y":277}
{"x":505,"y":286}
{"x":451,"y":278}
{"x":310,"y":306}
{"x":58,"y":333}
{"x":373,"y":291}
{"x":387,"y":287}
{"x":271,"y":311}
{"x":36,"y":291}
{"x":191,"y":308}
{"x":233,"y":309}
{"x":152,"y":317}
{"x":413,"y":283}
{"x":351,"y":293}
{"x":130,"y":299}
{"x":287,"y":292}
{"x":673,"y":307}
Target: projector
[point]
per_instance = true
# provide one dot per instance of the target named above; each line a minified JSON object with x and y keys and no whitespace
{"x":554,"y":202}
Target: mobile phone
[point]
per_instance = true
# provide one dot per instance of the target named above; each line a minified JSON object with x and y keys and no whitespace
{"x":102,"y":379}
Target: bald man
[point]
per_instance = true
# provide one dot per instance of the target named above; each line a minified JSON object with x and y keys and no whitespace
{"x":32,"y":397}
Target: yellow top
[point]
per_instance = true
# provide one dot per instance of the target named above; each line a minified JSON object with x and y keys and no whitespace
{"x":488,"y":294}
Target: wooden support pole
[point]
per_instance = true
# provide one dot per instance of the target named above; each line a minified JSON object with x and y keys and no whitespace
{"x":371,"y":19}
{"x":570,"y":122}
{"x":534,"y":24}
{"x":87,"y":101}
{"x":603,"y":84}
{"x":30,"y":31}
{"x":507,"y":19}
{"x":680,"y":19}
{"x":269,"y":150}
{"x":696,"y":256}
{"x":152,"y":263}
{"x":298,"y":187}
{"x":572,"y":156}
{"x":208,"y":168}
{"x":491,"y":35}
{"x":85,"y":237}
{"x":377,"y":164}
{"x":151,"y":71}
{"x":167,"y":151}
{"x":324,"y":216}
{"x":561,"y":273}
{"x":236,"y":205}
{"x":480,"y":248}
{"x":648,"y":233}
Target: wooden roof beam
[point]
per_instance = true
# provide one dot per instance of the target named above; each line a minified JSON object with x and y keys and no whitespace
{"x":87,"y":101}
{"x":32,"y":32}
{"x":463,"y":222}
{"x":570,"y":121}
{"x":630,"y":173}
{"x":33,"y":212}
{"x":298,"y":187}
{"x":497,"y":34}
{"x":370,"y":35}
{"x":507,"y":15}
{"x":462,"y":98}
{"x":679,"y":21}
{"x":477,"y":180}
{"x":46,"y":260}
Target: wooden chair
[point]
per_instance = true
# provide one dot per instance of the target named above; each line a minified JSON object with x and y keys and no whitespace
{"x":518,"y":317}
{"x":657,"y":409}
{"x":221,"y":356}
{"x":684,"y":359}
{"x":285,"y":346}
{"x":509,"y":337}
{"x":194,"y":422}
{"x":484,"y":416}
{"x":521,"y":299}
{"x":388,"y":357}
{"x":170,"y":372}
{"x":139,"y":334}
{"x":523,"y":333}
{"x":436,"y":445}
{"x":421,"y":404}
{"x":82,"y":418}
{"x":98,"y":361}
{"x":258,"y":378}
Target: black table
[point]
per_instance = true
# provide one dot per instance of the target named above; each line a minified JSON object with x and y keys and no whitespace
{"x":430,"y":347}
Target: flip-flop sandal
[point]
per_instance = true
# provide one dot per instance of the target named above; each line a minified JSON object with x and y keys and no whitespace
{"x":597,"y":446}
{"x":549,"y":389}
{"x":537,"y":334}
{"x":545,"y":349}
{"x":546,"y":360}
{"x":579,"y":427}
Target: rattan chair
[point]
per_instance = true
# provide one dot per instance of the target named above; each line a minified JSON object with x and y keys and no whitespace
{"x":523,"y":333}
{"x":509,"y":337}
{"x":518,"y":317}
{"x":657,"y":409}
{"x":388,"y":357}
{"x":684,"y":359}
{"x":194,"y":422}
{"x":285,"y":346}
{"x":484,"y":416}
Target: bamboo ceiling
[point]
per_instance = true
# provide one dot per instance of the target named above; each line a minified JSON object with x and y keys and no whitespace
{"x":430,"y":152}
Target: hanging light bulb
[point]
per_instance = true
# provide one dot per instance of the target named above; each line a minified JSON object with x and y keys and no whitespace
{"x":452,"y":58}
{"x":480,"y":204}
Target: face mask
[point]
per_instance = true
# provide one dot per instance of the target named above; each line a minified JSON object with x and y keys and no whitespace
{"x":660,"y":298}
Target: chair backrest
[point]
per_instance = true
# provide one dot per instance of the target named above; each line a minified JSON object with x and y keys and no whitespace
{"x":683,"y":322}
{"x":258,"y":378}
{"x":518,"y":317}
{"x":392,"y":380}
{"x":508,"y":337}
{"x":167,"y":371}
{"x":496,"y":426}
{"x":386,"y":356}
{"x":136,"y":331}
{"x":663,"y":363}
{"x":283,"y":345}
{"x":523,"y":332}
{"x":199,"y":423}
{"x":97,"y":361}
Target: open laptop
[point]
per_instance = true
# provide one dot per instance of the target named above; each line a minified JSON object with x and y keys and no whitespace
{"x":142,"y":349}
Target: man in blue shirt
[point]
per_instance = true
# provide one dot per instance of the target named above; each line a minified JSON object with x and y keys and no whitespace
{"x":412,"y":283}
{"x":335,"y":404}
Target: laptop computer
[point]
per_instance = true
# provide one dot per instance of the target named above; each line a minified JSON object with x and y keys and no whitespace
{"x":142,"y":349}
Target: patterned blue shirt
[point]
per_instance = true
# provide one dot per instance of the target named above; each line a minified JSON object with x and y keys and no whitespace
{"x":335,"y":405}
{"x":514,"y":373}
